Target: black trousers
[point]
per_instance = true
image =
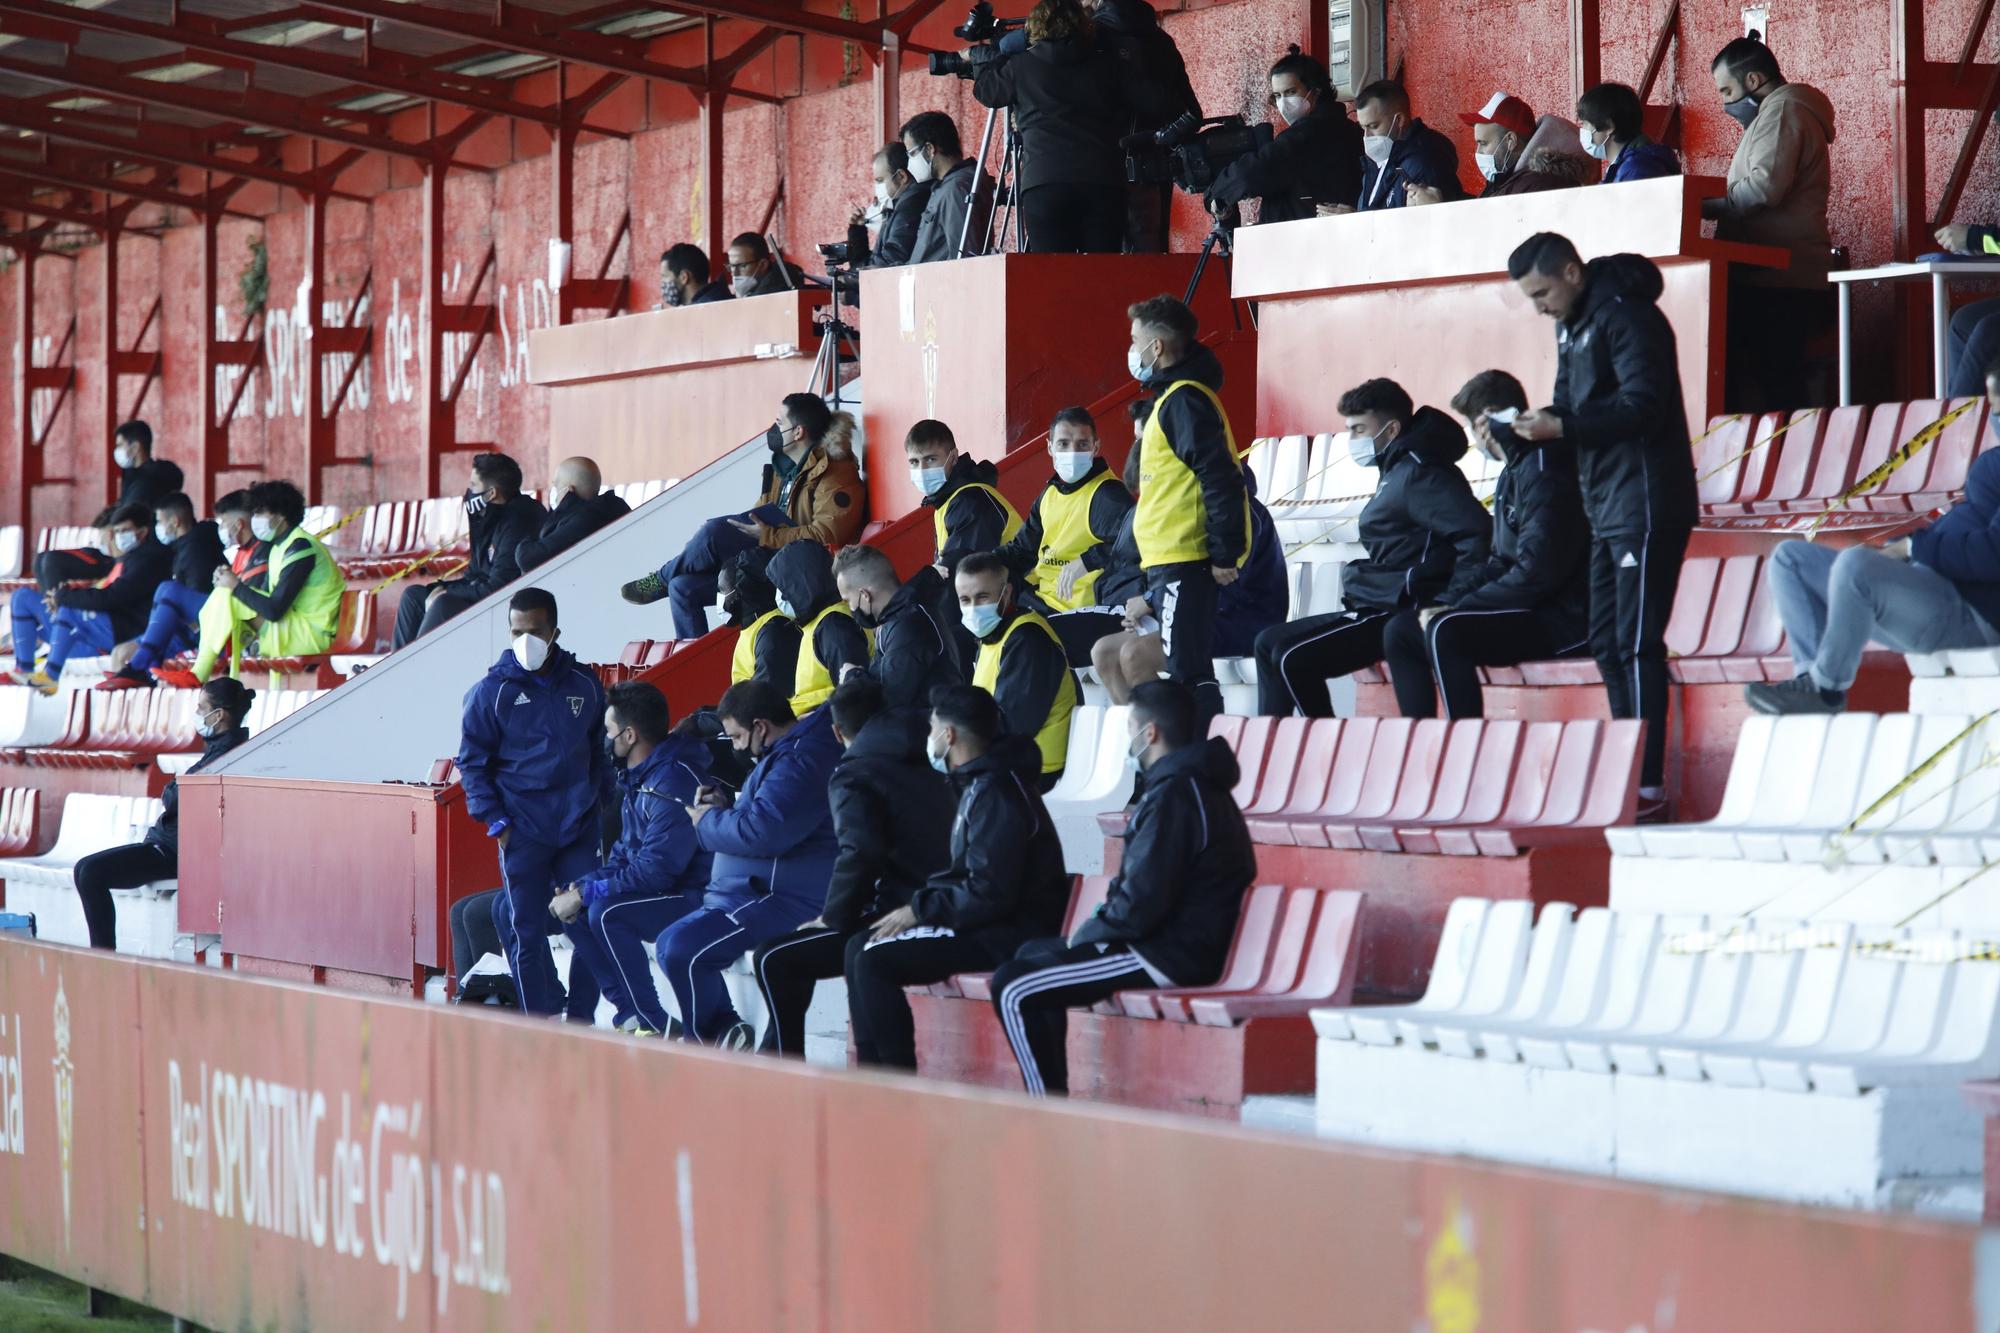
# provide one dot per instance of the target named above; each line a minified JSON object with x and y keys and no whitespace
{"x":1632,"y":583}
{"x":1295,"y":659}
{"x":1065,"y":218}
{"x":1034,"y":991}
{"x":1080,"y":631}
{"x":787,"y":969}
{"x":1448,"y":653}
{"x":414,"y":619}
{"x":1148,"y":218}
{"x":1771,"y":333}
{"x":884,"y":1033}
{"x":472,"y":932}
{"x":1184,"y":598}
{"x":124,"y":867}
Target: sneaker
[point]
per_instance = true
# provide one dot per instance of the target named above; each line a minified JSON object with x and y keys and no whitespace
{"x":178,"y":677}
{"x":644,"y":591}
{"x":1654,"y":810}
{"x":36,"y":680}
{"x":739,"y":1037}
{"x":1800,"y":694}
{"x":126,"y":679}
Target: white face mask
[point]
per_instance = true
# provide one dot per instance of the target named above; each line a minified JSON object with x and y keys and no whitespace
{"x":981,"y":620}
{"x":928,"y":480}
{"x":263,"y":529}
{"x":786,"y":609}
{"x":938,"y":753}
{"x":1361,"y":448}
{"x":920,"y":167}
{"x":124,"y":457}
{"x":1073,"y":467}
{"x":531,"y":652}
{"x":1292,"y":107}
{"x":1600,"y":151}
{"x":1377,"y":147}
{"x":1488,"y":167}
{"x":882,"y":192}
{"x":1135,"y":753}
{"x":165,"y":537}
{"x":125,"y":541}
{"x":743,"y":286}
{"x":1136,"y":366}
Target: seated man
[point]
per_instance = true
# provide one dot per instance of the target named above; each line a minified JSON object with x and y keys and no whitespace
{"x":1532,"y":600}
{"x":901,"y":199}
{"x":1426,"y":538}
{"x":579,"y":506}
{"x":1170,"y":913}
{"x":292,"y":611}
{"x":1610,"y":120}
{"x":1005,"y":883}
{"x":774,"y":852}
{"x":143,"y":480}
{"x":916,"y":650}
{"x":31,"y":609}
{"x":1400,"y":151}
{"x":968,"y":513}
{"x":1020,"y":662}
{"x":656,"y":873}
{"x":812,"y":492}
{"x":684,"y":278}
{"x":1935,"y":589}
{"x":500,"y":519}
{"x":1500,"y":133}
{"x":1060,"y":548}
{"x":937,"y":159}
{"x":93,"y":620}
{"x":755,"y":271}
{"x":196,"y":552}
{"x":892,"y":817}
{"x":767,"y":642}
{"x":829,"y":640}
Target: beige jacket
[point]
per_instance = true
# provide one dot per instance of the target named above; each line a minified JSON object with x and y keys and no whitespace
{"x":1778,"y":184}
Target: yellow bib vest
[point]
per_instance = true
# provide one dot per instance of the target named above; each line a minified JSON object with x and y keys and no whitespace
{"x":1013,"y":524}
{"x":1053,"y":738}
{"x":743,"y":662}
{"x":1066,"y":535}
{"x":309,"y":624}
{"x":812,"y":683}
{"x":1170,"y":523}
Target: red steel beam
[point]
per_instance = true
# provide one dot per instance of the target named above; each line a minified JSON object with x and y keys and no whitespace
{"x":32,"y":173}
{"x":76,"y":217}
{"x":789,"y":18}
{"x":1586,"y":46}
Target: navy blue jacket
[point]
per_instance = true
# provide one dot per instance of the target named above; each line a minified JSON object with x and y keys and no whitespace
{"x":1964,"y":543}
{"x":656,"y":852}
{"x":531,"y":748}
{"x":778,"y":837}
{"x":1643,"y":160}
{"x":1422,"y":156}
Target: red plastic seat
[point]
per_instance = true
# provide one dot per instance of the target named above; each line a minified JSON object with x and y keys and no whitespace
{"x":1326,"y":978}
{"x":1485,"y":793}
{"x":1248,"y":958}
{"x":1836,"y":464}
{"x":1084,"y":900}
{"x":1281,"y":957}
{"x":1445,"y":791}
{"x":1724,"y":461}
{"x":1703,"y":636}
{"x":1892,"y":494}
{"x":1595,"y":785}
{"x":1951,"y":458}
{"x":1300,"y":763}
{"x":1333,"y":796}
{"x":1794,"y":455}
{"x":661,"y":650}
{"x":1403,"y":795}
{"x":1525,"y":794}
{"x":1251,"y":747}
{"x":1376,"y":789}
{"x":634,"y":652}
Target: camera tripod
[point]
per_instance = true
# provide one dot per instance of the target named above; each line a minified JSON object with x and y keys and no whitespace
{"x":824,"y":378}
{"x":1219,"y":239}
{"x":1006,"y":192}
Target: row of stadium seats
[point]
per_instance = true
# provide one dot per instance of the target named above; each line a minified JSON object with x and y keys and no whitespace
{"x":91,"y":728}
{"x":392,"y":532}
{"x":44,"y":885}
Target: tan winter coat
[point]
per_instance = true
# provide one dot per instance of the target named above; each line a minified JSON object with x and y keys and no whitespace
{"x":829,"y":501}
{"x":1778,"y":183}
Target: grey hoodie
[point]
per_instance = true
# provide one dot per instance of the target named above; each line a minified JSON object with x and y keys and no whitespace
{"x":1778,"y":183}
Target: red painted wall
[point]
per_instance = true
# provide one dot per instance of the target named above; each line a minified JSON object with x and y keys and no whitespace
{"x":814,"y":147}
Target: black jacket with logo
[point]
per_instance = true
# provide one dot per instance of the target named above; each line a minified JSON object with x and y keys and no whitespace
{"x":892,"y":815}
{"x":1426,"y":535}
{"x":1006,"y":873}
{"x":497,"y":532}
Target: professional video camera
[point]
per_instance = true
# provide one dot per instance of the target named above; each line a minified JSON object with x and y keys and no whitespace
{"x":834,"y":253}
{"x":983,"y":31}
{"x":1189,"y":151}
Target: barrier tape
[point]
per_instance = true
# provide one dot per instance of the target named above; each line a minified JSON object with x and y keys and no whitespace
{"x":414,"y":565}
{"x":1729,"y":420}
{"x":1753,"y":448}
{"x":345,"y":519}
{"x":1902,"y":454}
{"x":1835,"y":854}
{"x":1933,"y":949}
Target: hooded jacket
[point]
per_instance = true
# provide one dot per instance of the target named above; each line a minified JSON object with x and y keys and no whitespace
{"x":1964,"y":543}
{"x":1316,"y":161}
{"x":803,"y":575}
{"x":777,"y":839}
{"x":531,"y":749}
{"x":1642,"y":160}
{"x":1618,"y":392}
{"x":1072,"y":98}
{"x":1036,"y":557}
{"x":197,"y":554}
{"x":1170,"y":519}
{"x":828,"y":502}
{"x":952,"y":196}
{"x":166,"y":831}
{"x":127,"y":592}
{"x":1132,"y":29}
{"x":1540,"y":542}
{"x":892,"y":816}
{"x":497,"y":532}
{"x":1778,"y":184}
{"x":1262,"y":594}
{"x":897,"y":239}
{"x":149,"y":483}
{"x":567,"y":524}
{"x":1426,"y":535}
{"x":978,"y":521}
{"x":915,"y":650}
{"x":656,"y":852}
{"x":1006,"y":877}
{"x":1187,"y":861}
{"x":767,"y":644}
{"x":1423,"y":157}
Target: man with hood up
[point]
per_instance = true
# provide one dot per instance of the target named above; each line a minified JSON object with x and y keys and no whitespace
{"x":767,"y":642}
{"x":1618,"y":405}
{"x":829,"y":639}
{"x":1005,"y":884}
{"x":1169,"y":916}
{"x":578,"y":506}
{"x":1778,"y":184}
{"x":1426,"y":536}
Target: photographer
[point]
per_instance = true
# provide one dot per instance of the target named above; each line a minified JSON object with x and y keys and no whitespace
{"x":930,"y":141}
{"x":1071,"y":97}
{"x":902,"y":200}
{"x":1316,"y":160}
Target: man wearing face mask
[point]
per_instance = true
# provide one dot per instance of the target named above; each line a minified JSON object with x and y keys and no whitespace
{"x":931,"y":141}
{"x":767,"y":642}
{"x":293,"y":611}
{"x":578,"y":506}
{"x":968,"y":513}
{"x":1610,"y":121}
{"x":195,"y":550}
{"x":531,"y":756}
{"x":1533,"y":598}
{"x":1500,"y":133}
{"x":1315,"y":160}
{"x":900,"y":200}
{"x":245,"y":557}
{"x":1399,"y":151}
{"x":916,"y":646}
{"x":1060,"y":549}
{"x":500,"y":518}
{"x":774,"y":852}
{"x":1426,"y":537}
{"x":656,"y":872}
{"x":93,"y":620}
{"x":1005,"y":883}
{"x":142,"y":479}
{"x":1778,"y":184}
{"x":1020,"y":661}
{"x":829,"y":639}
{"x":1169,"y":915}
{"x":684,"y":279}
{"x":755,"y":271}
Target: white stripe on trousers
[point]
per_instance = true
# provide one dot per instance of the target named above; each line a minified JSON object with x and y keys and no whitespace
{"x":764,"y":982}
{"x":603,"y":934}
{"x":1053,"y":978}
{"x":692,"y":1032}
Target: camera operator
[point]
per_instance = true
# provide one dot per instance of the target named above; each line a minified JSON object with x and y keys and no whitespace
{"x":1072,"y":97}
{"x":901,"y":199}
{"x":930,"y":142}
{"x":1132,"y":29}
{"x":1316,"y":160}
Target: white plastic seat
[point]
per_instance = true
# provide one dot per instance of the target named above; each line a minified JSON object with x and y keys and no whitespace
{"x":1084,"y":725}
{"x":1863,"y":997}
{"x":1548,"y":952}
{"x":1811,"y":981}
{"x":1451,"y":980}
{"x":1635,"y":937}
{"x":1965,"y":1044}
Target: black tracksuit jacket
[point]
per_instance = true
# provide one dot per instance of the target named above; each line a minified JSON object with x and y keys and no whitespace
{"x":1426,"y":535}
{"x":892,"y":815}
{"x":1006,"y":873}
{"x":1540,"y":542}
{"x":915,"y":650}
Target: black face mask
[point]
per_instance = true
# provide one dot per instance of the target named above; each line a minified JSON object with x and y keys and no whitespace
{"x":732,"y":608}
{"x":775,"y":440}
{"x":865,"y":619}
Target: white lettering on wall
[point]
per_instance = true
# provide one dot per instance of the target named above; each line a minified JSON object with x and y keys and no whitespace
{"x":13,"y":1120}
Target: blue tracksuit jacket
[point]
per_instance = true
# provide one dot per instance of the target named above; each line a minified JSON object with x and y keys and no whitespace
{"x":531,"y":748}
{"x":656,"y":851}
{"x":778,"y":837}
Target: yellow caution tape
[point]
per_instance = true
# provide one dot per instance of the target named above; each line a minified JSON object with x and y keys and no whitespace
{"x":1737,"y":458}
{"x":1903,"y":453}
{"x":415,"y":565}
{"x":1903,"y":784}
{"x":345,"y":519}
{"x":1729,"y":420}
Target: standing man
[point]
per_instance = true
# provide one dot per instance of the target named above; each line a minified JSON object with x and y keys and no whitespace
{"x":531,"y":756}
{"x":1061,"y":546}
{"x":1618,"y":405}
{"x":1021,"y":662}
{"x":1192,"y":519}
{"x":915,"y":651}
